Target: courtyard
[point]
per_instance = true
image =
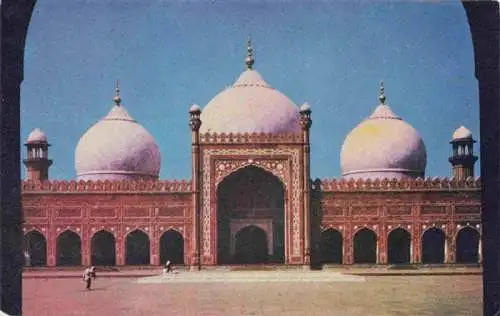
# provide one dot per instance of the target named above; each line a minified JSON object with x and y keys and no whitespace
{"x":255,"y":293}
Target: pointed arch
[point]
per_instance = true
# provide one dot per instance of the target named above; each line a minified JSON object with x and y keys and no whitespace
{"x":467,"y":245}
{"x":69,"y":249}
{"x":399,"y":246}
{"x":250,"y":165}
{"x":35,"y":247}
{"x":365,"y":246}
{"x":137,"y":248}
{"x":255,"y":194}
{"x":172,"y":247}
{"x":103,"y":248}
{"x":433,"y":245}
{"x":251,"y":245}
{"x":331,"y":246}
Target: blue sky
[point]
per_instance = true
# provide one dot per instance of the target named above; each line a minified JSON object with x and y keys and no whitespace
{"x":171,"y":54}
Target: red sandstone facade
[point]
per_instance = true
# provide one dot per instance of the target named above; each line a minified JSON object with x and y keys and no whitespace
{"x":251,"y":198}
{"x":411,"y":207}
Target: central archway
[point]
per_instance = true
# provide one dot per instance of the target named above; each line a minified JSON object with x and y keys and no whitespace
{"x":250,"y":210}
{"x":251,"y":246}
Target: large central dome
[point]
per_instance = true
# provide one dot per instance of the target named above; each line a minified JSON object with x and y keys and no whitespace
{"x":117,"y":148}
{"x":250,"y":105}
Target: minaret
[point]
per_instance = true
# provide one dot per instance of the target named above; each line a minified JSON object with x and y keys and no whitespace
{"x":195,"y":124}
{"x":305,"y":124}
{"x":462,"y":158}
{"x":37,"y":160}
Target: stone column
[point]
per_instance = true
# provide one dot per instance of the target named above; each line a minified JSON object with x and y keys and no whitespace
{"x":154,"y":245}
{"x":195,"y":124}
{"x":51,"y":245}
{"x":86,"y":250}
{"x":484,"y":24}
{"x":306,"y":122}
{"x":120,"y":248}
{"x":382,"y":246}
{"x":348,"y":255}
{"x":416,"y":243}
{"x":120,"y":260}
{"x":450,"y":246}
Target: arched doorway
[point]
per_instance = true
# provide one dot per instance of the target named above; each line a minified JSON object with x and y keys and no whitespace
{"x":365,"y":246}
{"x":137,"y":248}
{"x":246,"y":197}
{"x":103,"y":249}
{"x":172,"y":247}
{"x":399,"y":246}
{"x":69,"y":249}
{"x":331,"y":246}
{"x":467,"y":246}
{"x":251,"y":246}
{"x":433,"y":243}
{"x":35,"y":245}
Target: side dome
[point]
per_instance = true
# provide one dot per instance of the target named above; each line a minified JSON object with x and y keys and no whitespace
{"x":250,"y":105}
{"x":36,"y":136}
{"x":117,"y":148}
{"x":383,"y":146}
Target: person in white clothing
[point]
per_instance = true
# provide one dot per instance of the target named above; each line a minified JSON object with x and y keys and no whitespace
{"x":87,"y":277}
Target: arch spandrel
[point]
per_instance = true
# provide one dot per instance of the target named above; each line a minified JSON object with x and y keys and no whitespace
{"x":35,"y":230}
{"x":177,"y":230}
{"x":68,"y":229}
{"x":137,"y":229}
{"x":372,"y":229}
{"x":102,"y":230}
{"x":277,"y":167}
{"x":429,"y":228}
{"x":403,"y":228}
{"x":464,"y":227}
{"x":333,"y":229}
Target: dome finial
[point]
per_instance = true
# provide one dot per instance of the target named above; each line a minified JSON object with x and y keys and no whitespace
{"x":117,"y":98}
{"x":249,"y":60}
{"x":381,"y":97}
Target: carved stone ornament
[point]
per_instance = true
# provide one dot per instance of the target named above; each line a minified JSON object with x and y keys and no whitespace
{"x":278,"y":167}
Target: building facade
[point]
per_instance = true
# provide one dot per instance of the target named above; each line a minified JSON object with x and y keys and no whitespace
{"x":250,"y":199}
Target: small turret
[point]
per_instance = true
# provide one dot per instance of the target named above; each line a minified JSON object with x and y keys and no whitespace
{"x":462,"y":158}
{"x":37,"y":160}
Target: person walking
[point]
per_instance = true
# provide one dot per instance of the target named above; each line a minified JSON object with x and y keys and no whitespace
{"x":168,"y":267}
{"x":87,"y":277}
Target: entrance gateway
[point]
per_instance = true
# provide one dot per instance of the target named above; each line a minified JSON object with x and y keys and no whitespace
{"x":250,"y":218}
{"x":252,"y":202}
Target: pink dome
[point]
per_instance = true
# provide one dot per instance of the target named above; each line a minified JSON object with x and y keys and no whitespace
{"x":383,"y":146}
{"x":250,"y":105}
{"x":117,"y":148}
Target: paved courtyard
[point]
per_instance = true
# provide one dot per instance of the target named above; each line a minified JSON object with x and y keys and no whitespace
{"x":248,"y":293}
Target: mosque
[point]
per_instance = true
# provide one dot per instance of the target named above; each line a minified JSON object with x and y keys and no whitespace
{"x":250,"y":199}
